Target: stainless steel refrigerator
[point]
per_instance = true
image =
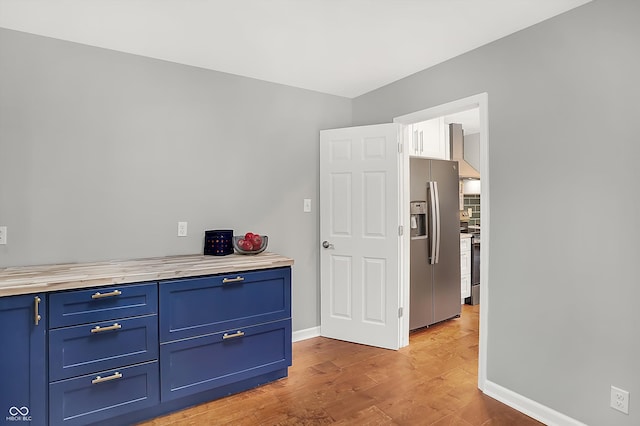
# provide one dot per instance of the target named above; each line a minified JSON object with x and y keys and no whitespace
{"x":435,"y":242}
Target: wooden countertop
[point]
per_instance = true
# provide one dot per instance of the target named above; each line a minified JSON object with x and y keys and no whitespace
{"x":45,"y":278}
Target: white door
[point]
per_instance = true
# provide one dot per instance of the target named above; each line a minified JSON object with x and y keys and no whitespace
{"x":359,"y":221}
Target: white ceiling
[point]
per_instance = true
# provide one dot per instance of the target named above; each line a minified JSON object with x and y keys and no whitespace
{"x":341,"y":47}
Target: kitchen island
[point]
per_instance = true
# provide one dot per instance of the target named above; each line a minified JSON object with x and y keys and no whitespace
{"x":121,"y":341}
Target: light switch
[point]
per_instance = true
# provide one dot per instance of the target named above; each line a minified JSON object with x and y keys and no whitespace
{"x":306,"y":205}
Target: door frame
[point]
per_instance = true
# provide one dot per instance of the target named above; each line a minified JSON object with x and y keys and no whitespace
{"x":481,"y":102}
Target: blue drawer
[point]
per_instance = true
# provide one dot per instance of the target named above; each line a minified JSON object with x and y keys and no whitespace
{"x":202,"y":363}
{"x":84,"y":349}
{"x":204,"y":305}
{"x":102,"y":303}
{"x":78,"y":401}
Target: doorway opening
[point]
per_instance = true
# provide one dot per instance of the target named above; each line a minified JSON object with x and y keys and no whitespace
{"x":476,"y":105}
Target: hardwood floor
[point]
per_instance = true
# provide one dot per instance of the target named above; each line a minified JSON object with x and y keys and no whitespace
{"x":433,"y":381}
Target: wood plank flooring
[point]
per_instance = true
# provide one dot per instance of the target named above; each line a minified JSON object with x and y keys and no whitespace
{"x":433,"y":381}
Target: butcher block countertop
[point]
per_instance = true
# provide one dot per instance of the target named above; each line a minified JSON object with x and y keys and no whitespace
{"x":45,"y":278}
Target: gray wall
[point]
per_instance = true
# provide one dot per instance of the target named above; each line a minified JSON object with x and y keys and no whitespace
{"x":564,"y":103}
{"x":102,"y":153}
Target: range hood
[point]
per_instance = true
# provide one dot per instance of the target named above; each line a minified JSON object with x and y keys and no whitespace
{"x":456,"y":141}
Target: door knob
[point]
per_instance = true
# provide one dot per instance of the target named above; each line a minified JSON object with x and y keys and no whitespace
{"x":327,"y":244}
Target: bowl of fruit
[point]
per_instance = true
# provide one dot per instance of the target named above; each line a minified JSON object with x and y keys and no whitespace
{"x":250,"y":243}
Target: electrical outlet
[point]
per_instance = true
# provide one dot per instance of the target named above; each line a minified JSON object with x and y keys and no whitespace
{"x":3,"y":235}
{"x":620,"y":399}
{"x":182,"y":229}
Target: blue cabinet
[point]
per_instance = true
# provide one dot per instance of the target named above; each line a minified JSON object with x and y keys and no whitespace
{"x":103,"y":353}
{"x":196,"y":306}
{"x":206,"y":362}
{"x":222,"y":329}
{"x":103,"y":303}
{"x":101,"y":396}
{"x":122,"y":354}
{"x":22,"y":366}
{"x":83,"y":349}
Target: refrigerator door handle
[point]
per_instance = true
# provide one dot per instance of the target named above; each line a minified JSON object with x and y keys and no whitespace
{"x":431,"y":197}
{"x":437,"y":227}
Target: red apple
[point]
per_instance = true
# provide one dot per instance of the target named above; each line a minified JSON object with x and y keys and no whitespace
{"x":245,"y":244}
{"x":256,"y":240}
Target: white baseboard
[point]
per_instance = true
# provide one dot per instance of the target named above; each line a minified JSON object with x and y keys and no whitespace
{"x":305,"y":334}
{"x":528,"y":406}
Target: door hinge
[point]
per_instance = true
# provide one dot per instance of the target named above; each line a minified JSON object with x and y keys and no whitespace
{"x":400,"y":312}
{"x":399,"y":147}
{"x":400,"y":230}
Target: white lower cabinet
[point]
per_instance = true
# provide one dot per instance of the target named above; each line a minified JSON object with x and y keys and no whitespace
{"x":465,"y":266}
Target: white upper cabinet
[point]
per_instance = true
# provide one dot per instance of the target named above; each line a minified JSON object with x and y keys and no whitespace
{"x":428,"y":139}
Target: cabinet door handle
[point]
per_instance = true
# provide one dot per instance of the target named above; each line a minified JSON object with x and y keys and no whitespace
{"x":99,"y":295}
{"x":36,"y":304}
{"x":99,"y":379}
{"x":232,"y":280}
{"x":98,"y":329}
{"x":231,"y":336}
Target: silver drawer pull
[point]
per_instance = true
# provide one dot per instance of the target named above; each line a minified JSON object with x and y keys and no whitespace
{"x":36,"y":303}
{"x":99,"y":379}
{"x":98,"y":329}
{"x":231,"y":336}
{"x":232,"y":280}
{"x":99,"y":295}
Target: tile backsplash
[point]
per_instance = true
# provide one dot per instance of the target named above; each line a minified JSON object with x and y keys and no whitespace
{"x":473,"y":201}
